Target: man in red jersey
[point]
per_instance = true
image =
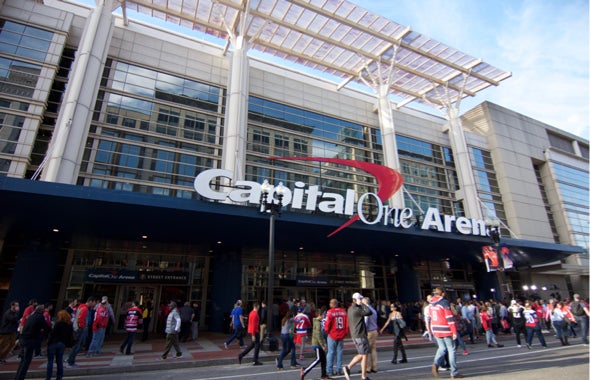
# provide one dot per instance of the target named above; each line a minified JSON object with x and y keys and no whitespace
{"x":336,"y":326}
{"x":441,"y":325}
{"x":254,"y":331}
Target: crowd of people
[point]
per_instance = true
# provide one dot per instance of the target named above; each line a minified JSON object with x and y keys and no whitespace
{"x":450,"y":325}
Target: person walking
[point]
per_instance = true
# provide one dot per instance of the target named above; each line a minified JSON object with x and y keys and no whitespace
{"x":147,"y":316}
{"x":133,"y":320}
{"x":581,"y":313}
{"x":287,"y":344}
{"x":398,"y":323}
{"x":237,"y":324}
{"x":488,"y":325}
{"x":59,"y":338}
{"x":31,"y":333}
{"x":263,"y":314}
{"x":532,"y":326}
{"x":372,"y":332}
{"x":99,"y":326}
{"x":336,"y":327}
{"x":81,"y":325}
{"x":172,"y":330}
{"x":318,"y":344}
{"x":195,"y":321}
{"x":302,"y":324}
{"x":560,"y":324}
{"x":254,"y":331}
{"x":358,"y":332}
{"x":8,"y":330}
{"x":442,"y":326}
{"x":517,"y":321}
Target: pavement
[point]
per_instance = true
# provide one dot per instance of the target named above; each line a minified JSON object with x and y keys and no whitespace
{"x":207,"y":350}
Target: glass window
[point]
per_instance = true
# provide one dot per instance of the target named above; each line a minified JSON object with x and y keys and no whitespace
{"x":24,"y":41}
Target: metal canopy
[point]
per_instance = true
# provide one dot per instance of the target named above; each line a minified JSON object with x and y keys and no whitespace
{"x":338,"y":38}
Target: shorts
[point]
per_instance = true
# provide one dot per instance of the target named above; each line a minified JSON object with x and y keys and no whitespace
{"x":362,"y":345}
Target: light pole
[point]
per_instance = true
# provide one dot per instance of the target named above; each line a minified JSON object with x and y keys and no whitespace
{"x":268,"y":205}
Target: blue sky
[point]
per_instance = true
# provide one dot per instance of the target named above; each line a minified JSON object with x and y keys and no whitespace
{"x":544,"y":43}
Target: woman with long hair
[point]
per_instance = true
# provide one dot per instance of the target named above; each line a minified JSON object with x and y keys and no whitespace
{"x":287,"y":331}
{"x":398,"y":323}
{"x":59,"y":338}
{"x":560,"y":324}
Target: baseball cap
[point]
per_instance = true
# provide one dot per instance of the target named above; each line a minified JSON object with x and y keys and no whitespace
{"x":172,"y":304}
{"x":513,"y":302}
{"x":357,"y":296}
{"x":105,"y":299}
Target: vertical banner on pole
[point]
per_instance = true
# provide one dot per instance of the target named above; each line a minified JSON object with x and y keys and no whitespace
{"x":490,"y":256}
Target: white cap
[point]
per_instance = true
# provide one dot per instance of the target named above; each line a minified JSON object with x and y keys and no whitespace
{"x":513,"y":302}
{"x":357,"y":296}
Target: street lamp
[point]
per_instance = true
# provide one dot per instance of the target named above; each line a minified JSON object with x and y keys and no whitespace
{"x":269,"y":205}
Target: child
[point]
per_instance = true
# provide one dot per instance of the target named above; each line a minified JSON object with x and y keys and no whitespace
{"x":318,"y":344}
{"x":486,"y":323}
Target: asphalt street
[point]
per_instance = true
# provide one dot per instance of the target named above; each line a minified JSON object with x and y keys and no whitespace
{"x":555,"y":362}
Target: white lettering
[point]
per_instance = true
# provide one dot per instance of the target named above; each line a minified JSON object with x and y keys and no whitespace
{"x":359,"y":208}
{"x":463,"y":225}
{"x":432,"y":219}
{"x":250,"y":192}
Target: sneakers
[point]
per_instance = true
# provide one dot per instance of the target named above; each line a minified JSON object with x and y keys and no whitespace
{"x":528,"y":346}
{"x":518,"y":345}
{"x":402,"y":361}
{"x":225,"y":345}
{"x":346,"y":371}
{"x":178,"y":355}
{"x":163,"y":357}
{"x":256,"y":363}
{"x":434,"y":370}
{"x":465,"y":352}
{"x":295,"y":366}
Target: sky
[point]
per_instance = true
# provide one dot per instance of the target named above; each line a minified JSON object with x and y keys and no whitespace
{"x":544,"y":43}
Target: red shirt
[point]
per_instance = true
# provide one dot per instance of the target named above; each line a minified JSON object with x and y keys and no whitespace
{"x":486,"y":321}
{"x":253,"y":323}
{"x":440,"y":318}
{"x":101,"y":318}
{"x":82,"y":313}
{"x":26,"y":314}
{"x":336,"y":324}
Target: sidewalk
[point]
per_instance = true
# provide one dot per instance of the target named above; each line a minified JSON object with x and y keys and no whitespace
{"x":207,"y":350}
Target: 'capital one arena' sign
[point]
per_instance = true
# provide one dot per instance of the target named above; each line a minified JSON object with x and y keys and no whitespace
{"x":311,"y":198}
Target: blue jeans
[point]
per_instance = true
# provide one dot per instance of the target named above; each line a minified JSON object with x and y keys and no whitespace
{"x":55,"y":350}
{"x":335,"y":347}
{"x":236,"y":334}
{"x":97,"y":340}
{"x":128,"y":342}
{"x":287,"y":345}
{"x":81,"y":336}
{"x":446,"y":345}
{"x":582,"y":321}
{"x":534,"y":330}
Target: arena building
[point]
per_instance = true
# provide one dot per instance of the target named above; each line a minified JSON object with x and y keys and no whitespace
{"x":133,"y":154}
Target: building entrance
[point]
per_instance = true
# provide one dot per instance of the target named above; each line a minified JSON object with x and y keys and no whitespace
{"x":125,"y":297}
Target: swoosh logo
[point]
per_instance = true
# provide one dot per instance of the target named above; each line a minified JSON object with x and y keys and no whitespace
{"x":389,"y":181}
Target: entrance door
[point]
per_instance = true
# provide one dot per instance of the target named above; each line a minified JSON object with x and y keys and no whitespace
{"x":126,"y":296}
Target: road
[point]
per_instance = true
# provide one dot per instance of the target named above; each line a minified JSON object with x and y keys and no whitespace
{"x":555,"y":362}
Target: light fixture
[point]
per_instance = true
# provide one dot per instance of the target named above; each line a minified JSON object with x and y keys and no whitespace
{"x":533,"y":287}
{"x":525,"y":288}
{"x":55,"y":230}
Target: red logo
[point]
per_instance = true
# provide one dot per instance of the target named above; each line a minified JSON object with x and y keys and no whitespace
{"x":389,"y":181}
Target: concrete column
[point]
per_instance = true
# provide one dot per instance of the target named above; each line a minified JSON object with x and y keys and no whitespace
{"x":73,"y":122}
{"x":236,"y":117}
{"x":390,"y":153}
{"x":468,"y":188}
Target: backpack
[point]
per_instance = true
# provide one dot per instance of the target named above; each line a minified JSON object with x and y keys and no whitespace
{"x":577,"y":309}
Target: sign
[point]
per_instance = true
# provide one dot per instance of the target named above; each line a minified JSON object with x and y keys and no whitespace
{"x":313,"y":281}
{"x":127,"y":276}
{"x":310,"y":198}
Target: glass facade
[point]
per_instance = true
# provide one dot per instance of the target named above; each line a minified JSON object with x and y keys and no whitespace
{"x":23,"y":49}
{"x":276,"y":129}
{"x":487,"y":184}
{"x":152,"y":132}
{"x":573,"y":185}
{"x":430,"y":177}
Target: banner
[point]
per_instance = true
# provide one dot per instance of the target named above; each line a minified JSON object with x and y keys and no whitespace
{"x":490,"y":256}
{"x":506,"y":257}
